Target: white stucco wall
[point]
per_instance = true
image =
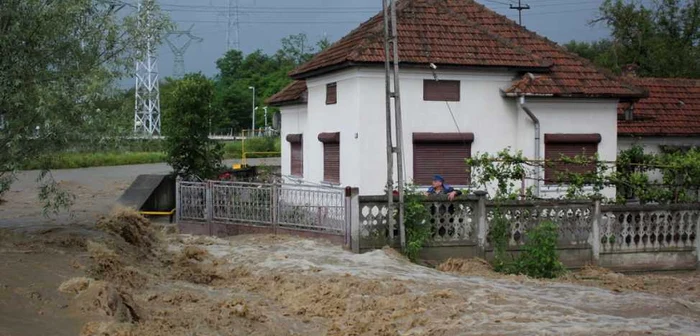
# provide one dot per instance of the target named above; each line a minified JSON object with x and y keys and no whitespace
{"x":496,"y":122}
{"x":572,"y":116}
{"x":318,"y":118}
{"x":293,"y":122}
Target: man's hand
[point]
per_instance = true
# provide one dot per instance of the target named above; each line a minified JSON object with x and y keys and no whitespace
{"x":451,"y":196}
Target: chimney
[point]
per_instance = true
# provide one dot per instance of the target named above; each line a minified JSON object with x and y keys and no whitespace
{"x":629,"y":70}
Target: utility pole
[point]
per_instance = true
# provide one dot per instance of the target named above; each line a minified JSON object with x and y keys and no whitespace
{"x":391,"y":36}
{"x":265,"y":109}
{"x":520,"y":9}
{"x":252,"y":128}
{"x":147,"y":107}
{"x":389,"y":141}
{"x":179,"y":52}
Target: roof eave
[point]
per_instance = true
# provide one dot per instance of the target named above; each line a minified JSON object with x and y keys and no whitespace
{"x":511,"y":94}
{"x":413,"y":65}
{"x":657,"y":134}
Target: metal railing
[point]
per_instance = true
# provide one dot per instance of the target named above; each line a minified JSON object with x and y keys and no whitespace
{"x":295,"y":207}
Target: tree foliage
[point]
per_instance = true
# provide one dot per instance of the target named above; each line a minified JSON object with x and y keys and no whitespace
{"x":663,"y":39}
{"x":59,"y":63}
{"x":186,"y":127}
{"x":672,"y":176}
{"x":267,"y":73}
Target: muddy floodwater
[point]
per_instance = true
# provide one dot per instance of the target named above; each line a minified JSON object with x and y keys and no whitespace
{"x":119,"y":275}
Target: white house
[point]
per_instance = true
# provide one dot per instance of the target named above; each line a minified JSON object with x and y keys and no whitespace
{"x":498,"y":85}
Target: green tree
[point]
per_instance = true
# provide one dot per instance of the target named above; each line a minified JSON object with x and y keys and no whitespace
{"x":267,"y":73}
{"x":663,"y":39}
{"x":186,"y":127}
{"x":297,"y":48}
{"x":59,"y":64}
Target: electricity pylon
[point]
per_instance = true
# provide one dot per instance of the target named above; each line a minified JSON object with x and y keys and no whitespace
{"x":147,"y":111}
{"x":179,"y":52}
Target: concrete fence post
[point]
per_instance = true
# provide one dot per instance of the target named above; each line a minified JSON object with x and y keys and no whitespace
{"x":352,"y":217}
{"x":595,"y":231}
{"x":209,"y":207}
{"x":481,"y":222}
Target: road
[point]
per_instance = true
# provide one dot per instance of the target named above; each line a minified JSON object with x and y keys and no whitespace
{"x":96,"y":190}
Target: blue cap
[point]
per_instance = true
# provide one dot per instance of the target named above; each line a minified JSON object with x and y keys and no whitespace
{"x":438,"y":178}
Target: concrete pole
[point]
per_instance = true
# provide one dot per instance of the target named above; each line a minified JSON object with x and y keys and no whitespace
{"x":399,"y":122}
{"x":389,"y":142}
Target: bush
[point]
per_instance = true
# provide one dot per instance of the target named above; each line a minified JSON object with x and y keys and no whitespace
{"x":539,"y":258}
{"x":186,"y":127}
{"x":499,"y":236}
{"x":418,"y":230}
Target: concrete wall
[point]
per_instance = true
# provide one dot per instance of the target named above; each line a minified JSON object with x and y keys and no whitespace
{"x":496,"y":122}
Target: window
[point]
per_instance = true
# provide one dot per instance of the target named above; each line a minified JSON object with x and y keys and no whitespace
{"x":557,"y":146}
{"x":331,"y":93}
{"x":296,"y":143}
{"x":331,"y":156}
{"x":442,"y":90}
{"x":441,"y":154}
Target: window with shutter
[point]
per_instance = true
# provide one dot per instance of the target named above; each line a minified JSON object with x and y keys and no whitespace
{"x":331,"y":93}
{"x":297,"y":154}
{"x":441,"y":154}
{"x":558,"y":146}
{"x":442,"y":90}
{"x":331,"y":156}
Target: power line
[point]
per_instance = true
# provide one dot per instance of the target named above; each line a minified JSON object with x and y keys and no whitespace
{"x":520,"y":8}
{"x":276,"y":7}
{"x":274,"y":22}
{"x":499,"y":2}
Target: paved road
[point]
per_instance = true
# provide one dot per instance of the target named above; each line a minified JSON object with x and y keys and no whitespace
{"x":96,"y":190}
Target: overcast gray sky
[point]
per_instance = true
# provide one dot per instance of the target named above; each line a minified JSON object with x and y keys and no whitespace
{"x":264,"y":22}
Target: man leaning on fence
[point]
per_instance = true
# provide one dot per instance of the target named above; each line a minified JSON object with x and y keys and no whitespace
{"x":439,"y":187}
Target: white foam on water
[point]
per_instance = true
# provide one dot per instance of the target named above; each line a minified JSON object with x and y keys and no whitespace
{"x":510,"y":307}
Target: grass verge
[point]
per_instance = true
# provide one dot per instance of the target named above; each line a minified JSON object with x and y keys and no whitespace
{"x":232,"y":150}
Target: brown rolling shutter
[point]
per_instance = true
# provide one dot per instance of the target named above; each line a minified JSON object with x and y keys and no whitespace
{"x":442,"y":90}
{"x":441,"y":154}
{"x":331,"y":162}
{"x":331,"y":93}
{"x":569,"y":146}
{"x":297,"y":154}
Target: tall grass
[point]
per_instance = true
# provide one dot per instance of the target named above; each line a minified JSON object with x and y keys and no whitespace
{"x":84,"y":160}
{"x":143,"y":152}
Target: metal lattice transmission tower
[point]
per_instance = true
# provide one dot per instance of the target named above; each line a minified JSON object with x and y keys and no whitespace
{"x":233,"y":26}
{"x":147,"y":112}
{"x":179,"y":52}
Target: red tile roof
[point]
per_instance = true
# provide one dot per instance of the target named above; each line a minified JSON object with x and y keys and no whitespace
{"x":465,"y":33}
{"x":672,"y":108}
{"x":294,"y":93}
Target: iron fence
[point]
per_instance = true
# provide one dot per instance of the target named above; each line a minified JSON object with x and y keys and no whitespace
{"x":294,"y":207}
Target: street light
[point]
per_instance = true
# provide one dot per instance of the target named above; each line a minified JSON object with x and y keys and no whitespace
{"x":253,"y":128}
{"x":265,"y":108}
